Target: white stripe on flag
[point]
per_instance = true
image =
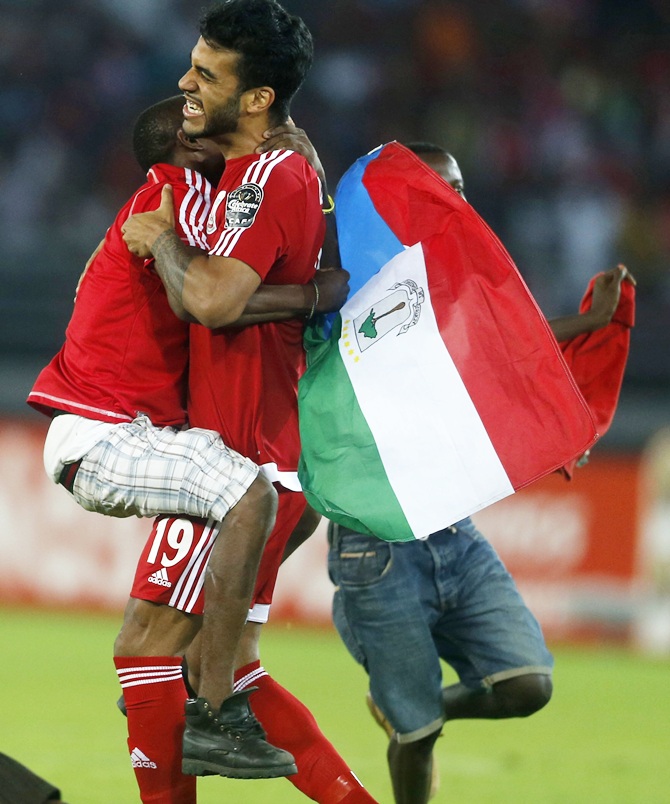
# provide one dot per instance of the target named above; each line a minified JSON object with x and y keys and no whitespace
{"x":419,"y":410}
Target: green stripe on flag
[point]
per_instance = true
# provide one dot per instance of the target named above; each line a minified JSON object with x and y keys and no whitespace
{"x":339,"y":453}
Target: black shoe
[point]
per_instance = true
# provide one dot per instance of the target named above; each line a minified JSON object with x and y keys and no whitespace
{"x":231,"y":743}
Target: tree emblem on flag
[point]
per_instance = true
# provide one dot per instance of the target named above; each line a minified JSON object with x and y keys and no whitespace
{"x":399,"y":311}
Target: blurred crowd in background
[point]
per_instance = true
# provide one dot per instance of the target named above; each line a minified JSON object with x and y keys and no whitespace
{"x":558,"y":112}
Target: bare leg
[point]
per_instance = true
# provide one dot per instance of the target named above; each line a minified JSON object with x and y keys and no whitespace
{"x":221,"y":734}
{"x":411,"y":764}
{"x":248,"y":649}
{"x":411,"y":768}
{"x":229,"y":585}
{"x":150,"y":629}
{"x":306,"y":526}
{"x":516,"y":697}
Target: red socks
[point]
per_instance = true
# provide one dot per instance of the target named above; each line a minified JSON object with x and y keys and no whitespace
{"x":322,"y":774}
{"x":154,"y":694}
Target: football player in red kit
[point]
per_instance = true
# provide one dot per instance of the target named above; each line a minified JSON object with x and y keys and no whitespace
{"x":117,"y":394}
{"x":266,"y":225}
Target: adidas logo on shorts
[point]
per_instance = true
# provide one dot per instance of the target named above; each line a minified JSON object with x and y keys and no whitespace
{"x":160,"y":577}
{"x":141,"y":760}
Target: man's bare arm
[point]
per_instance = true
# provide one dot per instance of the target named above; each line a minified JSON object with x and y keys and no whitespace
{"x":173,"y":282}
{"x":214,"y":290}
{"x":606,"y":294}
{"x":326,"y":293}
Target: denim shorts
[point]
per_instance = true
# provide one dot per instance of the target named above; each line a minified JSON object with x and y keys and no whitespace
{"x":400,"y":607}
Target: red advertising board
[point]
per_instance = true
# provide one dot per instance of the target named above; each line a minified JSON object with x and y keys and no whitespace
{"x":571,"y":546}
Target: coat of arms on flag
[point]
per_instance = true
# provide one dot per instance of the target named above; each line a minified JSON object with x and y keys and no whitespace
{"x":394,"y":313}
{"x":439,"y":388}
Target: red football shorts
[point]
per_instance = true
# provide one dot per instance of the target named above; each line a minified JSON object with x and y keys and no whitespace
{"x":171,"y":569}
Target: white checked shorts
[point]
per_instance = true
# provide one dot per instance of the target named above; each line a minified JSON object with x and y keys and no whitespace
{"x":138,"y":469}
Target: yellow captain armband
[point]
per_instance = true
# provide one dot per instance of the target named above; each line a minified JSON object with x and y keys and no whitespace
{"x":331,"y":206}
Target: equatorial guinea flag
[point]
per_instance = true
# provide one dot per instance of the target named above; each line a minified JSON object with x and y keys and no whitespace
{"x":439,"y":388}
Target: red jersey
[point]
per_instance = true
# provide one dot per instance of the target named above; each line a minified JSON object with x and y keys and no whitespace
{"x":243,"y":381}
{"x":125,"y":351}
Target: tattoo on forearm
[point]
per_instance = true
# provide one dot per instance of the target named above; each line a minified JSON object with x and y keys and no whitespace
{"x":172,"y":260}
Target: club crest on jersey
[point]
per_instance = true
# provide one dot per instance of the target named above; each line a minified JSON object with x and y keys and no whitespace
{"x":242,"y":205}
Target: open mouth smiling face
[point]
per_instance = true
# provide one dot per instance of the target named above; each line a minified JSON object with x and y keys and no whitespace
{"x":192,"y":109}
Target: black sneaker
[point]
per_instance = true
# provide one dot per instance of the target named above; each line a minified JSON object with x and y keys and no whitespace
{"x":231,"y":743}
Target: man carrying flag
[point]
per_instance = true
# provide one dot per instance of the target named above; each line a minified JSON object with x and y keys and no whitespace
{"x":439,"y":359}
{"x":401,"y":603}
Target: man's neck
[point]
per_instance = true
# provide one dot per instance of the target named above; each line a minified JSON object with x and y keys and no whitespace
{"x":244,"y":141}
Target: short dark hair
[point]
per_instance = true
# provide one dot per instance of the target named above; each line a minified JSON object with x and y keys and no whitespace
{"x":426,"y":148}
{"x":155,"y":132}
{"x":275,"y":47}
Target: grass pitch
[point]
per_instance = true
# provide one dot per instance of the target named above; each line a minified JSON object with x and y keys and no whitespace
{"x":605,"y":737}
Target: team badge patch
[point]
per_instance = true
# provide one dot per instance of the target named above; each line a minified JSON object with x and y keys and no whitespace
{"x":242,"y":205}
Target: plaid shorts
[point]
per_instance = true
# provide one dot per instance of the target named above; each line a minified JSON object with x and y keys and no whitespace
{"x":142,"y":470}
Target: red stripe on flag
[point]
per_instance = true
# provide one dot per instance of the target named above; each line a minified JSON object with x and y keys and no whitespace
{"x":494,"y":331}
